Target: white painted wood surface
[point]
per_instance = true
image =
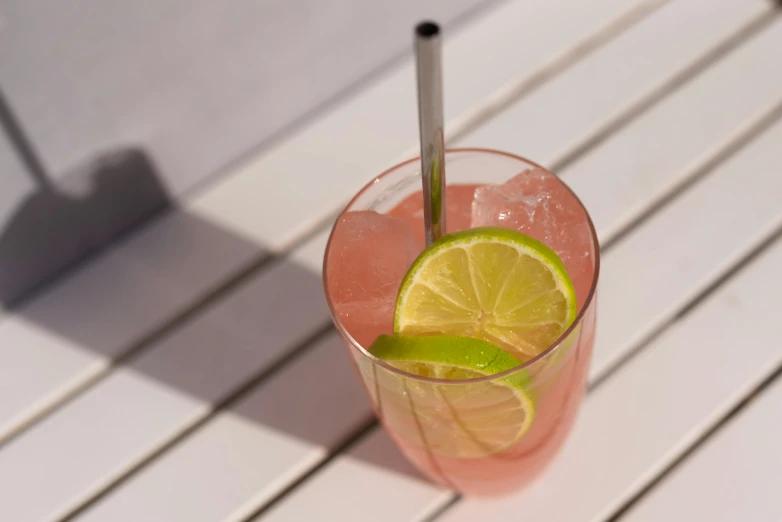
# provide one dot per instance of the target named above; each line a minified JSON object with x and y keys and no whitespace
{"x":194,"y":367}
{"x":257,"y":447}
{"x":556,"y":120}
{"x":64,"y":339}
{"x":655,"y":153}
{"x":58,"y":342}
{"x":151,"y":433}
{"x":227,"y":464}
{"x":734,"y":476}
{"x":696,"y":239}
{"x":340,"y":492}
{"x":708,"y":240}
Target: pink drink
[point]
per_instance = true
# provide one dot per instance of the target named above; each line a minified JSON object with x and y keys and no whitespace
{"x":371,"y":248}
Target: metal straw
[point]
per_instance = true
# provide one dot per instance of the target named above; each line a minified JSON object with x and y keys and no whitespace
{"x":430,"y":122}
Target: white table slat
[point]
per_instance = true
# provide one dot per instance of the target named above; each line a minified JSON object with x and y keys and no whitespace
{"x":68,"y":335}
{"x":734,"y":476}
{"x":708,"y":239}
{"x":249,"y":452}
{"x":370,"y":482}
{"x":603,"y":87}
{"x":124,"y":459}
{"x":60,"y":341}
{"x":377,"y":128}
{"x":699,"y":118}
{"x":716,"y":222}
{"x":111,"y":426}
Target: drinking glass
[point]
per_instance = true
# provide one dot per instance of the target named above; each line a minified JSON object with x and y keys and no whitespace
{"x":487,"y":435}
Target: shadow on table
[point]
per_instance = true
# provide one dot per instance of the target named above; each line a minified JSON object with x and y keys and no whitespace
{"x":60,"y":225}
{"x":238,"y":339}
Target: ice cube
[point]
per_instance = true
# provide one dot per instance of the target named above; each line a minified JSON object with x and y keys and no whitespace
{"x":458,"y":205}
{"x":369,"y":255}
{"x":536,"y":203}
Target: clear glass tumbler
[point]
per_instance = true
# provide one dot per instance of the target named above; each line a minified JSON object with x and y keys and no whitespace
{"x":486,"y":435}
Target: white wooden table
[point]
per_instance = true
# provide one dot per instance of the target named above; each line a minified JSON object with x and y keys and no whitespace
{"x":191,"y":374}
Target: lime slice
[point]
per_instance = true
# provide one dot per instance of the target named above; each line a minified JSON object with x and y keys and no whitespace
{"x":443,"y":356}
{"x":488,"y":283}
{"x":460,"y":419}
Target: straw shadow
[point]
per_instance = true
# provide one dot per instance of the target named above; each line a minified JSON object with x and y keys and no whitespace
{"x":60,"y":225}
{"x":249,"y":350}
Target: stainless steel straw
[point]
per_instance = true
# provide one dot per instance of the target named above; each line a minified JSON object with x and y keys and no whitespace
{"x":430,"y":123}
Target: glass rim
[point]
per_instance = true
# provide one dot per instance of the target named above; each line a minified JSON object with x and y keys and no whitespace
{"x":476,"y":380}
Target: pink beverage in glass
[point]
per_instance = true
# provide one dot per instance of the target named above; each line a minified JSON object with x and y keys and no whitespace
{"x":469,"y":434}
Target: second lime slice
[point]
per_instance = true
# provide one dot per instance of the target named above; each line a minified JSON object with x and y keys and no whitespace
{"x":464,"y":419}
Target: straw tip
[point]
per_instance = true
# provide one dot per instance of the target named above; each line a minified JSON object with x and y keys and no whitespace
{"x":427,"y":29}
